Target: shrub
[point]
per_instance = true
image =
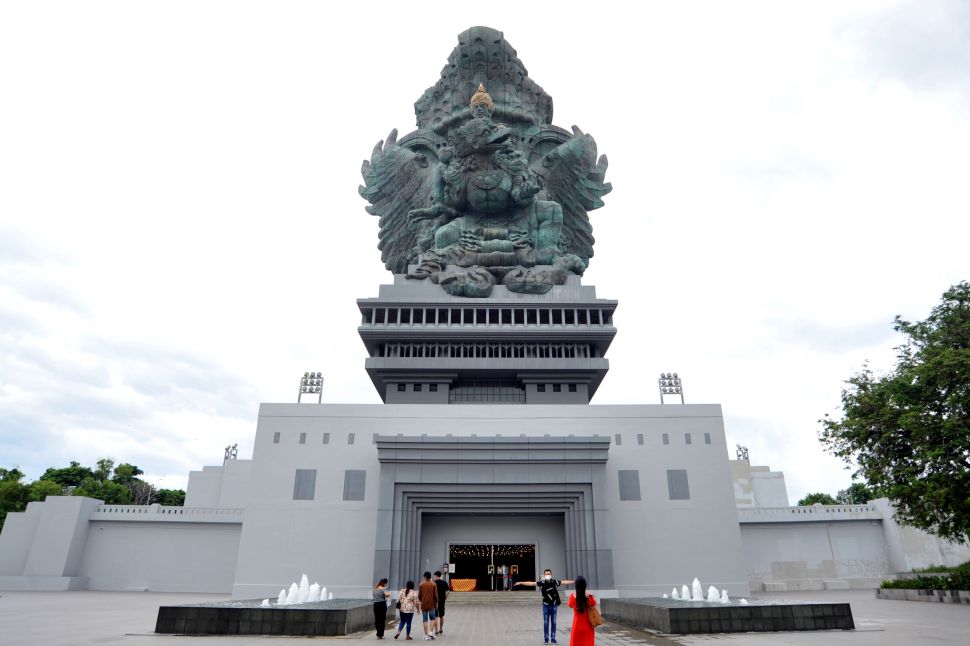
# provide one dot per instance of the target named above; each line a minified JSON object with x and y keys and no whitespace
{"x":956,"y":581}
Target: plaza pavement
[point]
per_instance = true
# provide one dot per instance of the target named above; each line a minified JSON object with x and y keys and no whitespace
{"x":82,"y":618}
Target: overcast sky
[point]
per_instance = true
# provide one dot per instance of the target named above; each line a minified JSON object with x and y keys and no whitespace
{"x":181,"y":235}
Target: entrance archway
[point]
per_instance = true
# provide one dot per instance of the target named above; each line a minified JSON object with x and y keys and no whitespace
{"x":491,"y":566}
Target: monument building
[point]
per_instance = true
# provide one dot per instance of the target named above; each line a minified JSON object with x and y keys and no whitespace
{"x":486,"y":349}
{"x":486,"y":457}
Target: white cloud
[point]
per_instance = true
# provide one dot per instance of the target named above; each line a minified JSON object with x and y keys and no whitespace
{"x":182,"y":235}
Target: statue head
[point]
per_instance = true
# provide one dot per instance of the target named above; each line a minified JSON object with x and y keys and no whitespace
{"x":481,"y":103}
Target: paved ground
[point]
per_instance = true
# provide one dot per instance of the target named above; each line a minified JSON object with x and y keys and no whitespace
{"x":82,"y":618}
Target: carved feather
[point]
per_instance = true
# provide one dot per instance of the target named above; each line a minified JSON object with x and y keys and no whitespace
{"x":397,"y":179}
{"x":573,"y":176}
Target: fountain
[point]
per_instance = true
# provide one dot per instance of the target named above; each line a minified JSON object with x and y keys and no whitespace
{"x":713,"y":596}
{"x":302,"y":609}
{"x":689,"y":612}
{"x":697,"y":590}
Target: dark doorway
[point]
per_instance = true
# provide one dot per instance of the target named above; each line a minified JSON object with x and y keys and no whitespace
{"x":493,"y":566}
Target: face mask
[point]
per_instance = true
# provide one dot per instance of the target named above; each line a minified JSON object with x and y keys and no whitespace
{"x":548,"y":577}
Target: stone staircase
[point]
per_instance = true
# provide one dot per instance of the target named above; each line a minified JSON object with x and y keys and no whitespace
{"x":517,"y":598}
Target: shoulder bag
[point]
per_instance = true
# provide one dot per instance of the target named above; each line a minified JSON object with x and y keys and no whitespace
{"x":595,"y":618}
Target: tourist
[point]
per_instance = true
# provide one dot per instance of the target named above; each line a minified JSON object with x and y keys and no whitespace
{"x":407,"y":601}
{"x":381,"y":595}
{"x":428,"y":598}
{"x":582,"y":633}
{"x":550,"y":602}
{"x":443,"y":589}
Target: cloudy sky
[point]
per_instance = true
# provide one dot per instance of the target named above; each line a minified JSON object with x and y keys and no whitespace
{"x":181,"y":235}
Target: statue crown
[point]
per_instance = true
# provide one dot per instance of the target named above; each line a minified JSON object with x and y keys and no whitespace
{"x":480,"y":97}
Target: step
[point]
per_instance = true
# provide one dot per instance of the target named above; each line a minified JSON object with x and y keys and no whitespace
{"x":527,"y":598}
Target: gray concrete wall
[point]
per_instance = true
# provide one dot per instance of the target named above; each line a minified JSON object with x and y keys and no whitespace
{"x":225,"y":486}
{"x":816,"y":555}
{"x":161,"y":557}
{"x":204,"y":487}
{"x":910,"y":548}
{"x":658,"y":542}
{"x":758,"y":486}
{"x":46,"y":544}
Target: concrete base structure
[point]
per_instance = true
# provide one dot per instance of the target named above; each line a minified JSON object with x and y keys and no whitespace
{"x":699,"y":617}
{"x":401,"y":494}
{"x":331,"y":618}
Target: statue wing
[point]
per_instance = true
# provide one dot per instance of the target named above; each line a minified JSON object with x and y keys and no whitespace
{"x":397,"y":179}
{"x":574,"y":177}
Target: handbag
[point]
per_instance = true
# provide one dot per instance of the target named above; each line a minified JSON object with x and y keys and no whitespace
{"x":595,"y":618}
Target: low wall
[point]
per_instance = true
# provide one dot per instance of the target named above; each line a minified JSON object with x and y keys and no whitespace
{"x":814,"y":551}
{"x":938,"y":596}
{"x":161,"y":557}
{"x":76,"y":543}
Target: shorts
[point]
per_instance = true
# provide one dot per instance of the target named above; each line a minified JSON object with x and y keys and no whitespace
{"x":428,"y":615}
{"x":441,"y":610}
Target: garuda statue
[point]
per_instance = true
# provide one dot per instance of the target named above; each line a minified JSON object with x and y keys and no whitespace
{"x":487,"y":191}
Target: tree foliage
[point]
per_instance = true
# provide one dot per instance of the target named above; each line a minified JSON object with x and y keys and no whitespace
{"x":908,"y":431}
{"x":70,"y":476}
{"x":818,"y":497}
{"x":858,"y":493}
{"x":115,"y":485}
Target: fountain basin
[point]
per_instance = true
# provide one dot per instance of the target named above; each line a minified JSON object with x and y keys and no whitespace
{"x":247,"y":617}
{"x":678,"y":617}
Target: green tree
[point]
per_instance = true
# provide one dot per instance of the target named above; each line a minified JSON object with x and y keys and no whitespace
{"x":11,"y":475}
{"x":13,"y":493}
{"x":908,"y":432}
{"x":115,"y":485}
{"x":817,"y":497}
{"x":38,"y":490}
{"x":858,"y":493}
{"x":105,"y":467}
{"x":112,"y":493}
{"x":125,"y":472}
{"x":70,"y":476}
{"x":170,"y":497}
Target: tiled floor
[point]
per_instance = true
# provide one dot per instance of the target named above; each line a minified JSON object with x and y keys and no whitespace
{"x":521,"y":625}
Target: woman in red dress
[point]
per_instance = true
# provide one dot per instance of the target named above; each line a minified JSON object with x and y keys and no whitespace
{"x":582,"y":633}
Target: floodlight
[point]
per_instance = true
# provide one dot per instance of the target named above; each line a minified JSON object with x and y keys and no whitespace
{"x":670,"y":384}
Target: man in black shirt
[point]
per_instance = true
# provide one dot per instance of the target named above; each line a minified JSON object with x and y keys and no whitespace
{"x":550,"y":602}
{"x":443,"y":588}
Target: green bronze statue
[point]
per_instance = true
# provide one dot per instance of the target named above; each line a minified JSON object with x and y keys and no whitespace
{"x":469,"y":202}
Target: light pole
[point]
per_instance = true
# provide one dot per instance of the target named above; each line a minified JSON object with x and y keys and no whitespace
{"x":312,"y":383}
{"x":670,"y":384}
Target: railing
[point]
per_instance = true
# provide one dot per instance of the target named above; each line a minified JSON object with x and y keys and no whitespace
{"x":157,"y":513}
{"x":809,"y":514}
